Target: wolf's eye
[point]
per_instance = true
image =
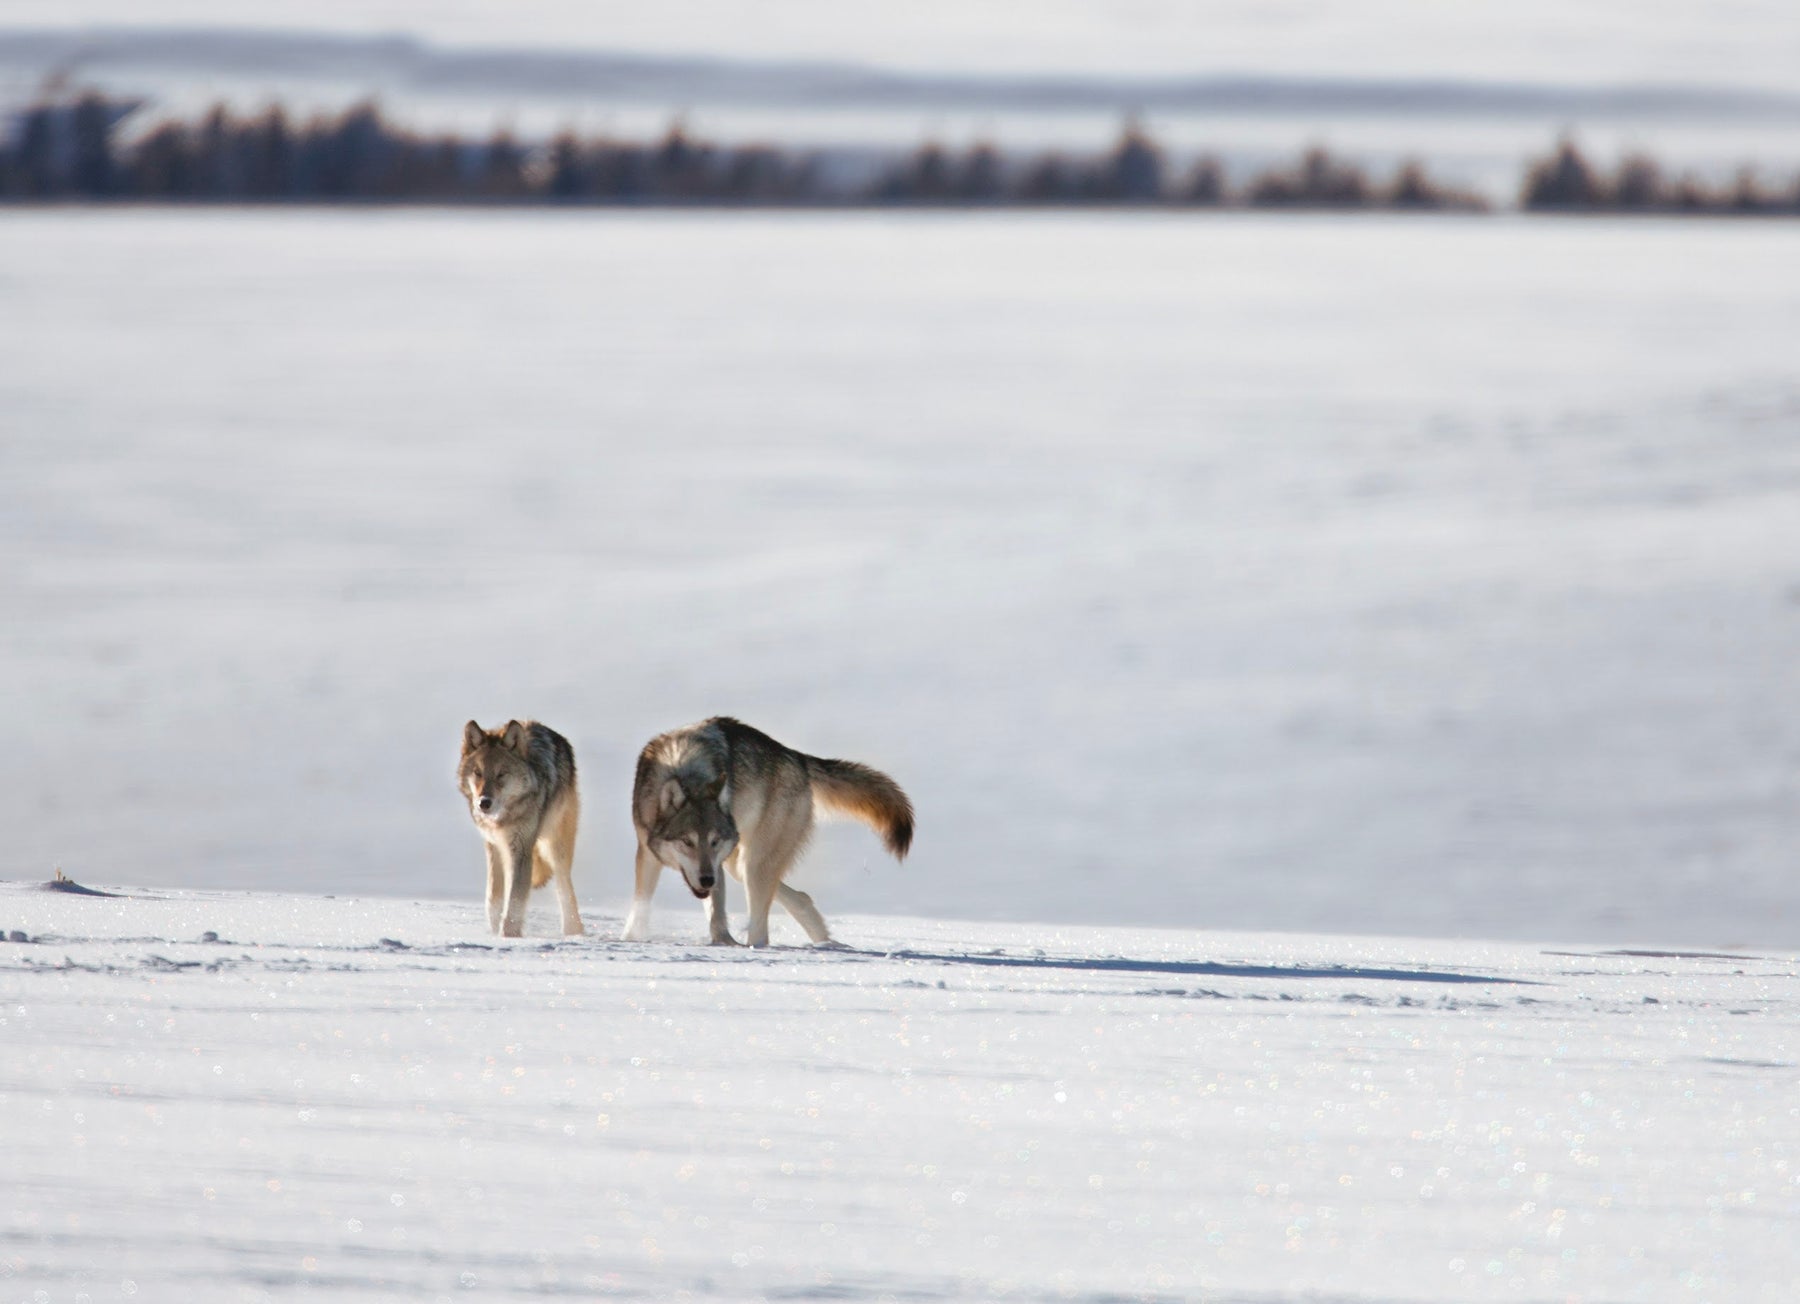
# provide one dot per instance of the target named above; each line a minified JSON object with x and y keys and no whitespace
{"x":689,"y":840}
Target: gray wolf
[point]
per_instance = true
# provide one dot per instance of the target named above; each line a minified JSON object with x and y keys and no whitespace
{"x":520,"y":783}
{"x":720,"y":796}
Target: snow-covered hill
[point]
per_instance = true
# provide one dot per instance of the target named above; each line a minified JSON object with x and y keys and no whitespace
{"x":1395,"y":576}
{"x":213,"y":1096}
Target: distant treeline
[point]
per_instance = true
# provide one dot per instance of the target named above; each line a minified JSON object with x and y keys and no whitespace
{"x":1566,"y":181}
{"x":74,"y":149}
{"x":64,"y":151}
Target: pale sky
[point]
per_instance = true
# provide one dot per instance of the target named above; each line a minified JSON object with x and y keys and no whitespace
{"x":1731,"y":43}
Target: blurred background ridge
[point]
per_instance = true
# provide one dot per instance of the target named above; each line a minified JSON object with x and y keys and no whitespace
{"x":401,"y":64}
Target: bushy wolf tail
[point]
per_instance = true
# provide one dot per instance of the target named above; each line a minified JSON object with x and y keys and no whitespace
{"x":866,"y":794}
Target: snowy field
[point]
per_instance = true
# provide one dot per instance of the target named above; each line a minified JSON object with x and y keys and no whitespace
{"x":239,"y":1096}
{"x":1331,"y":575}
{"x":1430,"y":577}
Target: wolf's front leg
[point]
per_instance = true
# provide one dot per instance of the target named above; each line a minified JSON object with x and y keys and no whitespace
{"x":496,"y":885}
{"x":717,"y":922}
{"x":637,"y":923}
{"x":518,"y":884}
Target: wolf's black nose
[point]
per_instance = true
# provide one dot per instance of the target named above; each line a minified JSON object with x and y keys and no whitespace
{"x":486,"y":803}
{"x":706,"y":882}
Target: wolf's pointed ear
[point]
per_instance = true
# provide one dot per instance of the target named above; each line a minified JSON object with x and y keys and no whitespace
{"x":671,"y":796}
{"x":514,"y":737}
{"x":473,"y":736}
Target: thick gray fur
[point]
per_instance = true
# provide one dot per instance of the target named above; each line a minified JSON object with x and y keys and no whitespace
{"x":520,"y":783}
{"x":721,"y":797}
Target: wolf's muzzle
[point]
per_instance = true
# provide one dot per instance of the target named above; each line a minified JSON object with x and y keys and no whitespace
{"x":484,"y":803}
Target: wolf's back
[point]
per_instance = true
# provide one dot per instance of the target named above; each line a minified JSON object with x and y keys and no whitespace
{"x":864,"y":793}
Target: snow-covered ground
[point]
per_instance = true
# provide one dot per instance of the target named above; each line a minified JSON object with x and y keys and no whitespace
{"x":242,"y":1096}
{"x":1416,"y":576}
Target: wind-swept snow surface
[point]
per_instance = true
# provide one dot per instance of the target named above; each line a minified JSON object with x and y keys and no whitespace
{"x":1390,"y":576}
{"x":223,"y":1097}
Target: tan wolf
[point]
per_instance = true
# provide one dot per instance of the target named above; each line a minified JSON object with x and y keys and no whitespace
{"x":720,"y":795}
{"x":520,"y":783}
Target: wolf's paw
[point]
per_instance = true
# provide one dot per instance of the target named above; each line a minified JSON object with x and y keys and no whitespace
{"x":727,"y":940}
{"x":830,"y":944}
{"x":636,"y":930}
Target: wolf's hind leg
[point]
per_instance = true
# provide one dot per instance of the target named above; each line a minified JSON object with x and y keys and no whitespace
{"x":496,"y":886}
{"x":805,"y":913}
{"x":556,"y":851}
{"x":637,"y":923}
{"x":565,"y":901}
{"x":765,"y":866}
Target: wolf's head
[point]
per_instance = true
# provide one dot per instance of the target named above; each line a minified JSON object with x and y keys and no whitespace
{"x":694,"y":831}
{"x":493,"y":772}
